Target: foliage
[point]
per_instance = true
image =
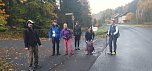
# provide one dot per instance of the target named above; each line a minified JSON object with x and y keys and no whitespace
{"x":102,"y":30}
{"x":5,"y":66}
{"x":80,"y":9}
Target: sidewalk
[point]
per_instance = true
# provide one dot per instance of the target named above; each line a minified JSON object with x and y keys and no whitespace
{"x":18,"y":55}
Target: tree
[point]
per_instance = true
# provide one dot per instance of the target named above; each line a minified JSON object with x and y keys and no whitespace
{"x":3,"y":15}
{"x":22,"y":10}
{"x":80,"y":9}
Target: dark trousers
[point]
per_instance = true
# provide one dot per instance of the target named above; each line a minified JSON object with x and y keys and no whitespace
{"x":77,"y":40}
{"x":33,"y":52}
{"x":113,"y":42}
{"x":55,"y":41}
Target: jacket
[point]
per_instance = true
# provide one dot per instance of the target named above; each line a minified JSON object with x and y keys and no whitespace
{"x":54,"y":31}
{"x":77,"y":30}
{"x":89,"y":36}
{"x":31,"y":38}
{"x":66,"y":34}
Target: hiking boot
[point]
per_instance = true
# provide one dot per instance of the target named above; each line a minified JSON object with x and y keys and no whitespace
{"x":53,"y":54}
{"x":58,"y":54}
{"x":78,"y":49}
{"x":114,"y":53}
{"x":31,"y":69}
{"x":37,"y":67}
{"x":71,"y":53}
{"x":109,"y":53}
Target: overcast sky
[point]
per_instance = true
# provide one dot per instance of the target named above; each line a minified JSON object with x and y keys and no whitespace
{"x":100,"y":5}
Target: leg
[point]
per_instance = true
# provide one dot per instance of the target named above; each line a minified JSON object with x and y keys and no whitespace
{"x":75,"y":42}
{"x":65,"y":46}
{"x":53,"y":42}
{"x":110,"y":43}
{"x":70,"y":46}
{"x":57,"y":42}
{"x":115,"y":44}
{"x":78,"y":42}
{"x":36,"y":55}
{"x":30,"y":56}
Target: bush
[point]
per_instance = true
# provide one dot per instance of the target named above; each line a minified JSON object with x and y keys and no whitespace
{"x":102,"y":30}
{"x":2,"y":29}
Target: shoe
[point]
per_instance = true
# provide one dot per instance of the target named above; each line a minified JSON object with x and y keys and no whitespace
{"x":37,"y":67}
{"x":66,"y":54}
{"x":114,"y":53}
{"x":110,"y":53}
{"x":71,"y":53}
{"x":31,"y":69}
{"x":91,"y":53}
{"x":53,"y":54}
{"x":58,"y":54}
{"x":78,"y":49}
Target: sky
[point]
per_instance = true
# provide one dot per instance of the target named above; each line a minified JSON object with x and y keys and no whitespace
{"x":100,"y":5}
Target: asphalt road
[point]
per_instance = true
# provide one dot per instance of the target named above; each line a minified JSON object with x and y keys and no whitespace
{"x":134,"y":51}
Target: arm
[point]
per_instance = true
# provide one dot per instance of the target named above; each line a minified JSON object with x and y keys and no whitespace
{"x":93,"y":35}
{"x":116,"y":30}
{"x":50,"y":33}
{"x":25,"y":38}
{"x":38,"y":39}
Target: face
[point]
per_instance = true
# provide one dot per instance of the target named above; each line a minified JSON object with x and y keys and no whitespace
{"x":30,"y":24}
{"x":77,"y":23}
{"x":89,"y":29}
{"x":54,"y":23}
{"x":65,"y":25}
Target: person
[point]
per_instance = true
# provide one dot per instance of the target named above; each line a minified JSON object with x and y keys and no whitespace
{"x":77,"y":34}
{"x":67,"y":35}
{"x":89,"y":37}
{"x":113,"y":33}
{"x":31,"y":41}
{"x":54,"y":33}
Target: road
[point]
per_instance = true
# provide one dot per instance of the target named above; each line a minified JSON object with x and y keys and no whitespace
{"x":134,"y":52}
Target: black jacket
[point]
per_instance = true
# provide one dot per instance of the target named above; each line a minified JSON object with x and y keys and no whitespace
{"x":89,"y":36}
{"x":77,"y":30}
{"x":31,"y":38}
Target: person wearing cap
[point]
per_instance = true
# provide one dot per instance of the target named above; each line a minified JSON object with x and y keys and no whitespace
{"x":31,"y":41}
{"x":77,"y":34}
{"x":54,"y":33}
{"x":113,"y":33}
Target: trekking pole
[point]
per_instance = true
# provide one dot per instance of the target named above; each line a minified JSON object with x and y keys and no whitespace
{"x":106,"y":44}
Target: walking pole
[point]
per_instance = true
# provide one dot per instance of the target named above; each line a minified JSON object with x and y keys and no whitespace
{"x":106,"y":45}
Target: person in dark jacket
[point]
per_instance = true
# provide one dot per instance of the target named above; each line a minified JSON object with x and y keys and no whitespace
{"x":54,"y":33}
{"x":31,"y":40}
{"x":89,"y":37}
{"x":77,"y":34}
{"x":113,"y":33}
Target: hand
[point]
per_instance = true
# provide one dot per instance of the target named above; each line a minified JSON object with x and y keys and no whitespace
{"x":41,"y":46}
{"x":26,"y":48}
{"x":49,"y":39}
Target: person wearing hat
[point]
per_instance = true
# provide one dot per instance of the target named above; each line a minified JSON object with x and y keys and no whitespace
{"x":31,"y":41}
{"x":54,"y":33}
{"x":113,"y":33}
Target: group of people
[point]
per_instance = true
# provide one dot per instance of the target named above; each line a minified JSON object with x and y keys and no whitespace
{"x":32,"y":40}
